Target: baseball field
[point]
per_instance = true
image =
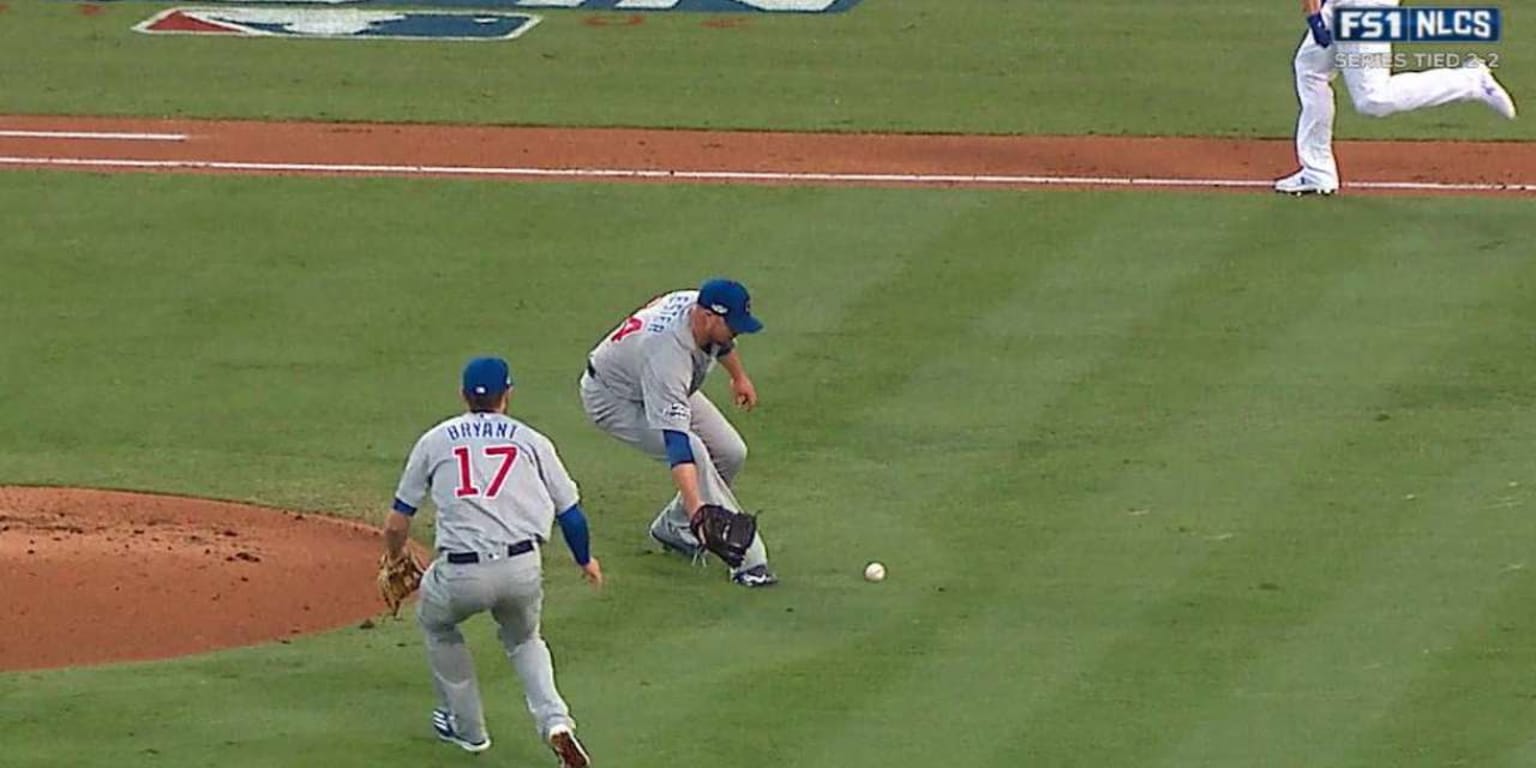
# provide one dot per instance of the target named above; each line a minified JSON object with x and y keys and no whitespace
{"x":1167,"y":470}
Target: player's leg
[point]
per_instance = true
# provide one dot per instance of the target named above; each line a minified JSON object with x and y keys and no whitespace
{"x":1315,"y":69}
{"x":625,"y":421}
{"x":621,"y":419}
{"x":446,"y":601}
{"x":672,"y":523}
{"x":727,"y":453}
{"x":1377,"y":92}
{"x":671,"y":526}
{"x":725,"y":445}
{"x":517,"y":613}
{"x":596,"y":402}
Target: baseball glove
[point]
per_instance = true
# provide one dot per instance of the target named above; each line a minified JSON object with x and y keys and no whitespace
{"x":398,"y":578}
{"x":725,"y":533}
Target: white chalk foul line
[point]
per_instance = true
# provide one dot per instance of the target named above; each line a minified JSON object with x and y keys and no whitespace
{"x":778,"y":176}
{"x":92,"y":135}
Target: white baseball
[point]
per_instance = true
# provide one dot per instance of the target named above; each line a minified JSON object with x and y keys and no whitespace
{"x":874,"y":572}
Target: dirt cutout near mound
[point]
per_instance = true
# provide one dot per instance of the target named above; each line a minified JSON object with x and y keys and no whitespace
{"x":100,"y":576}
{"x":745,"y":157}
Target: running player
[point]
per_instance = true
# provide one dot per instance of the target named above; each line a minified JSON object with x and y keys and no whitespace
{"x":498,"y":486}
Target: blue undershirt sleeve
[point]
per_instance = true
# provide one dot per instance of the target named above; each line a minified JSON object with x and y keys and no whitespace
{"x":573,"y":526}
{"x":679,"y":449}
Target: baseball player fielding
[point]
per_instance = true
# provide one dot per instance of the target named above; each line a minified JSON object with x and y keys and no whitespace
{"x":642,"y":387}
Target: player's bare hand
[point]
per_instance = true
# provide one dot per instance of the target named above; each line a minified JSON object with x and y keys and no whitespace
{"x":593,"y":572}
{"x":745,"y":394}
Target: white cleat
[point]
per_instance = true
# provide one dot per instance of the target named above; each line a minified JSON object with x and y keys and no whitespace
{"x":1490,"y":91}
{"x":569,"y":751}
{"x":1301,"y":183}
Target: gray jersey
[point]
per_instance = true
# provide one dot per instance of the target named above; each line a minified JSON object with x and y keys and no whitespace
{"x":652,"y":358}
{"x":494,"y":480}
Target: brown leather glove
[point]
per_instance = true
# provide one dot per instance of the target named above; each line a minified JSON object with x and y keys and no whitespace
{"x":398,"y":578}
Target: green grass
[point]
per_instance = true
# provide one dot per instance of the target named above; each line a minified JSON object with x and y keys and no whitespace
{"x":1200,"y":67}
{"x":1140,"y":465}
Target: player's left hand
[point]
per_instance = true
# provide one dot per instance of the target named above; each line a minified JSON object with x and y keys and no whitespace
{"x":593,"y":572}
{"x":745,"y":393}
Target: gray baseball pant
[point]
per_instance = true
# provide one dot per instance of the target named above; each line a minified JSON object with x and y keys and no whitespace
{"x":718,"y":453}
{"x":512,"y":589}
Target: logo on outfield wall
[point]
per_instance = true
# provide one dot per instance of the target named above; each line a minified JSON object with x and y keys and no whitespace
{"x":704,"y":6}
{"x":338,"y":23}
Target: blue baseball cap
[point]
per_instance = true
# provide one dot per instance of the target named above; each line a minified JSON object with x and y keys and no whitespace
{"x":729,"y":299}
{"x":487,"y":376}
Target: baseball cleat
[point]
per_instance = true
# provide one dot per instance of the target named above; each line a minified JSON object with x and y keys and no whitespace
{"x":1492,"y":93}
{"x":676,"y":545}
{"x":565,"y":746}
{"x":756,"y":576}
{"x":442,"y":722}
{"x":1302,"y":183}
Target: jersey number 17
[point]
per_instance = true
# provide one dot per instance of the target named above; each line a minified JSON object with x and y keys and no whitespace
{"x":505,"y":453}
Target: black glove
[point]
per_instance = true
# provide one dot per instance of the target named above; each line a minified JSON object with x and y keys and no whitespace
{"x":725,"y":533}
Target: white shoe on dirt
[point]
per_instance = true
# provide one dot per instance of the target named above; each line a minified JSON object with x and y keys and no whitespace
{"x":1303,"y":183}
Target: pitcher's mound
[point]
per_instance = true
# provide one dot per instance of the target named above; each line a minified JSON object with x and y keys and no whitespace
{"x":95,"y":576}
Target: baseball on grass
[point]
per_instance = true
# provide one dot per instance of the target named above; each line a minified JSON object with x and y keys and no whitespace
{"x":874,"y":572}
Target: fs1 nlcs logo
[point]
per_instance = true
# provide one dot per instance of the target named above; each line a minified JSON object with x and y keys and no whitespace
{"x":1417,"y":25}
